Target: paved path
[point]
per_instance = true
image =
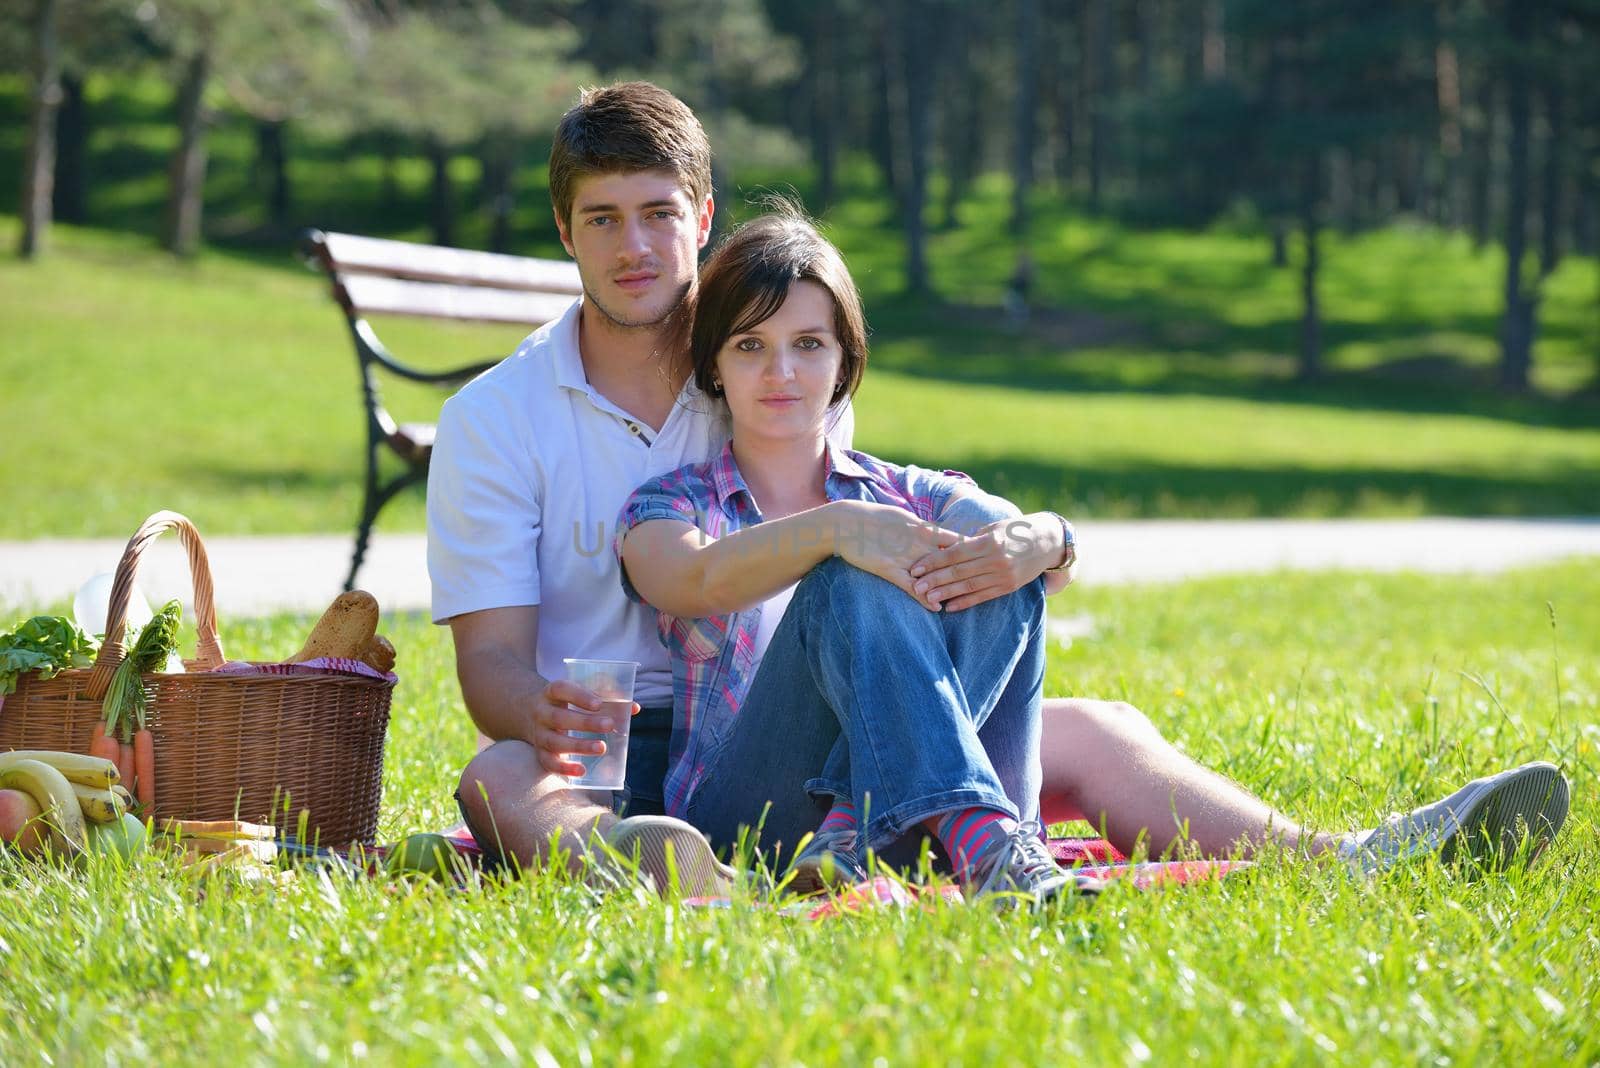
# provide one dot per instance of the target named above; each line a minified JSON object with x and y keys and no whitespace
{"x":258,"y":575}
{"x":303,"y":573}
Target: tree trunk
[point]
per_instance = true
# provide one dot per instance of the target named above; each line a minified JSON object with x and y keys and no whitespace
{"x":882,"y":121}
{"x":917,"y":63}
{"x":1280,"y":243}
{"x":716,"y":107}
{"x":498,"y":192}
{"x":272,"y":166}
{"x":186,"y":176}
{"x":1214,"y":47}
{"x":1066,"y":55}
{"x":1102,"y":60}
{"x":1517,"y":322}
{"x":1310,"y":314}
{"x":962,"y":127}
{"x":1024,"y":118}
{"x":1585,"y":225}
{"x":72,"y":145}
{"x":1191,"y":17}
{"x":442,"y":202}
{"x":39,"y":164}
{"x":389,"y":181}
{"x":1550,"y":199}
{"x":1447,"y":91}
{"x":1481,"y":158}
{"x":822,"y":77}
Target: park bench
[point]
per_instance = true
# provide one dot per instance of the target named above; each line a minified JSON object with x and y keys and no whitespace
{"x":372,"y":276}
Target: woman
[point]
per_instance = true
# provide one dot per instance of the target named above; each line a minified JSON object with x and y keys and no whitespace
{"x":810,"y":681}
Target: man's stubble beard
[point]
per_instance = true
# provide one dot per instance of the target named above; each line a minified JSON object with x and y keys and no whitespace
{"x":651,"y":325}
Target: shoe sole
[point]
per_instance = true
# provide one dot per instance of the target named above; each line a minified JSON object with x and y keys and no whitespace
{"x":808,"y":877}
{"x":1528,"y":805}
{"x":675,"y":856}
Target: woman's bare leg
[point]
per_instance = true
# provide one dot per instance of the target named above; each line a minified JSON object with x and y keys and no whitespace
{"x":1105,"y":762}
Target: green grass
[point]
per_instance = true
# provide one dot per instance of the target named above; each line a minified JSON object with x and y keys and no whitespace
{"x":1336,"y":696}
{"x":226,"y":389}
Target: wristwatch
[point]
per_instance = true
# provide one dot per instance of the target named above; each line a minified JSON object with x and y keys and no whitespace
{"x":1070,"y":544}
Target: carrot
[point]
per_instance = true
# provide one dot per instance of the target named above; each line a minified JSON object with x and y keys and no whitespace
{"x":144,"y":768}
{"x":102,"y":746}
{"x":125,"y":762}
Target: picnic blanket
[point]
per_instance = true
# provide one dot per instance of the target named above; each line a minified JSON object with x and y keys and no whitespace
{"x":1095,"y":864}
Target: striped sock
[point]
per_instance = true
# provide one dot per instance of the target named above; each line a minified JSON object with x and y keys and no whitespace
{"x":842,"y":816}
{"x":968,"y":835}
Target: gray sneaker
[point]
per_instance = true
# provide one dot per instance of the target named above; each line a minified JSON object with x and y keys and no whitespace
{"x":828,"y":859}
{"x":1022,"y":870}
{"x":669,"y":855}
{"x":1488,"y":817}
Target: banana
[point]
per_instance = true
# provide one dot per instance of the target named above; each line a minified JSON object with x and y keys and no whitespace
{"x":97,"y":772}
{"x":57,"y":802}
{"x":101,"y":806}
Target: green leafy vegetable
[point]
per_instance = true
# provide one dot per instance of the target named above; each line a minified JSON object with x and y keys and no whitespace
{"x":126,"y":704}
{"x":46,"y":644}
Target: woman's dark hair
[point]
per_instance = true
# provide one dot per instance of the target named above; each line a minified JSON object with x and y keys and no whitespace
{"x":747,"y":279}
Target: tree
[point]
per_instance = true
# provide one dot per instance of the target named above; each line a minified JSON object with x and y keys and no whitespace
{"x":459,"y":79}
{"x":38,"y":173}
{"x":1521,"y":299}
{"x":1329,"y":79}
{"x":1025,"y":112}
{"x":267,"y":57}
{"x":1540,"y":49}
{"x":720,"y":56}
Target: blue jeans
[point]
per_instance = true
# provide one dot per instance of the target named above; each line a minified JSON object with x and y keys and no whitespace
{"x":865,"y":694}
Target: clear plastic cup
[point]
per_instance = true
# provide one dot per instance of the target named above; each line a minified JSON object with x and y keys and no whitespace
{"x":612,"y":682}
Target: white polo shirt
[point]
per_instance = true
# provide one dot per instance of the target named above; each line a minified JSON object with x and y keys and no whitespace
{"x":530,"y":469}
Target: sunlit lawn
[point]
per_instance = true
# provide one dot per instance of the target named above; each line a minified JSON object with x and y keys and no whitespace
{"x":1338,"y":697}
{"x":227,"y":389}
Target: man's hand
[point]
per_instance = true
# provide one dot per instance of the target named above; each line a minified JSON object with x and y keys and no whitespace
{"x":553,"y":718}
{"x":999,"y":559}
{"x":887,"y":541}
{"x":507,"y":696}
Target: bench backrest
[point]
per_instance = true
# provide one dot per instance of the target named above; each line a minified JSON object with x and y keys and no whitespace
{"x":376,"y":276}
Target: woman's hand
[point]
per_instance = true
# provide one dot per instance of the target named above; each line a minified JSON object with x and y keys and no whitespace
{"x":999,"y":559}
{"x":886,"y":541}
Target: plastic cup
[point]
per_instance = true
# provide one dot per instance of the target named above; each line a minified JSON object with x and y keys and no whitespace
{"x":612,"y":682}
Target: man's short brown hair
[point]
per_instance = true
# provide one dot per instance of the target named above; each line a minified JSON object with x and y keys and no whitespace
{"x":624,"y":129}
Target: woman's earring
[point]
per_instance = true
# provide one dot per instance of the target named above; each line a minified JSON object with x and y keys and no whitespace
{"x":716,"y":384}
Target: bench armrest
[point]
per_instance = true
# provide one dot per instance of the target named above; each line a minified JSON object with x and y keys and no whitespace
{"x":374,"y":350}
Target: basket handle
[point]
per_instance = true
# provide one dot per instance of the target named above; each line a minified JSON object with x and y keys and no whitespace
{"x":113,"y":650}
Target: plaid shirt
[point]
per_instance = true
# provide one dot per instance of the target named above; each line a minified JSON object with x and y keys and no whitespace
{"x":714,"y":659}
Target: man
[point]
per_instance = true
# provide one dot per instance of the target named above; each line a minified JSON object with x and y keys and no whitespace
{"x":534,"y":459}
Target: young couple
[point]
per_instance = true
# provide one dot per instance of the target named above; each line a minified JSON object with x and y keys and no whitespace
{"x":822,"y":652}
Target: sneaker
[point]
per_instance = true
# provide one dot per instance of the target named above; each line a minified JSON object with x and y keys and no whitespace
{"x":828,"y":859}
{"x":669,"y":855}
{"x":1488,"y":818}
{"x":1021,"y":868}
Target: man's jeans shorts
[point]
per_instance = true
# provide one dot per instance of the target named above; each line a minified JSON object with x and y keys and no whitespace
{"x":647,"y":769}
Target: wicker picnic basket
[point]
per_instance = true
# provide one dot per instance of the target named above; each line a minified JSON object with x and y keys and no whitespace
{"x":266,"y":748}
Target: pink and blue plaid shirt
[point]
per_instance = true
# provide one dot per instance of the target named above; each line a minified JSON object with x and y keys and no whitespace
{"x":714,"y":659}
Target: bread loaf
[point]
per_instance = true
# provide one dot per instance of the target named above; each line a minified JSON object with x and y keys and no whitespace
{"x":344,"y":629}
{"x":378,"y":654}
